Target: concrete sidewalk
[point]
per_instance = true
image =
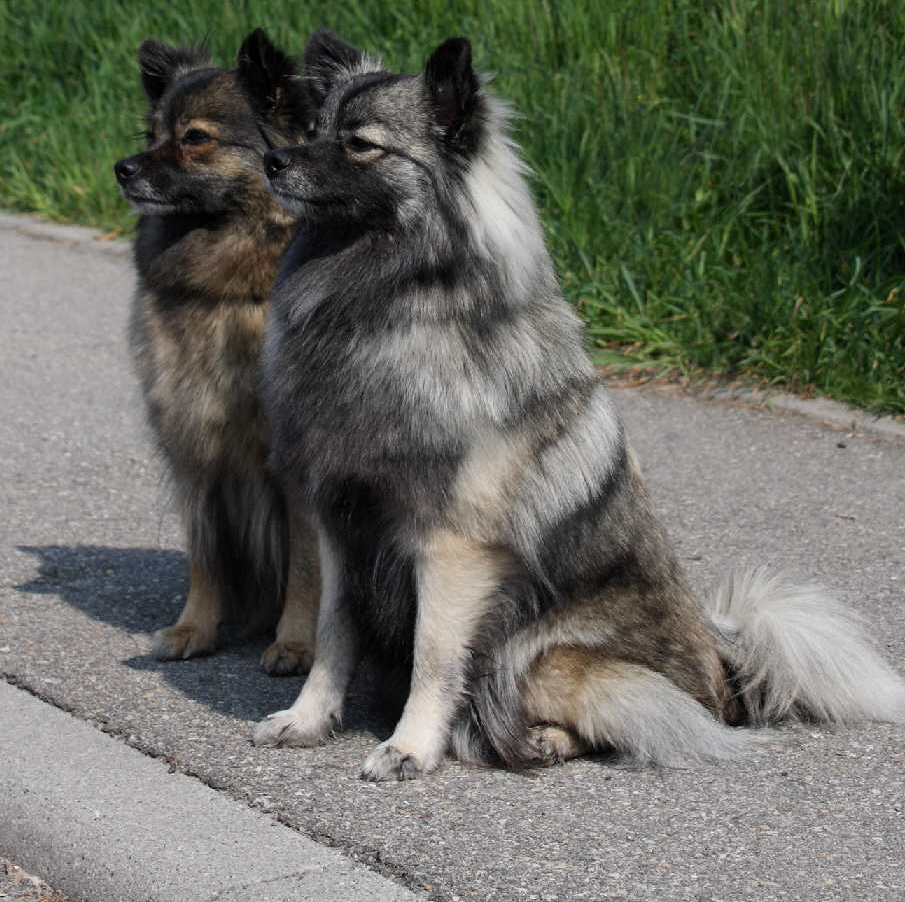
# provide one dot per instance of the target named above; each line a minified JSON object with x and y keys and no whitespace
{"x":108,"y":824}
{"x":90,"y":564}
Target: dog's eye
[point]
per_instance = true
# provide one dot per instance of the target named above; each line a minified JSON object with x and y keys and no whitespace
{"x":196,"y":136}
{"x":149,"y":137}
{"x":359,"y":145}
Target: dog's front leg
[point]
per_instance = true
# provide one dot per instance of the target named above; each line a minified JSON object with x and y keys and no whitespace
{"x":318,"y":709}
{"x":195,"y":632}
{"x":456,"y":579}
{"x":293,"y":648}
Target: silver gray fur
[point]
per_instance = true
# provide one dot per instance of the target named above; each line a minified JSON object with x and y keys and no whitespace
{"x":798,"y":651}
{"x":432,"y":399}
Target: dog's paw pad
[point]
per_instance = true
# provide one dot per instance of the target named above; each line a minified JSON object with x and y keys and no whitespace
{"x":286,"y":658}
{"x":290,"y":729}
{"x":553,"y":744}
{"x":174,"y":643}
{"x":386,"y":762}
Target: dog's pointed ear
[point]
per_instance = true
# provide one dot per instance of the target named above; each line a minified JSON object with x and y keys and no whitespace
{"x":329,"y":59}
{"x":270,"y":80}
{"x":452,"y":84}
{"x":160,"y":64}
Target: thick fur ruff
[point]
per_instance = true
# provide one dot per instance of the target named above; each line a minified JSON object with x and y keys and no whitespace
{"x":795,"y":651}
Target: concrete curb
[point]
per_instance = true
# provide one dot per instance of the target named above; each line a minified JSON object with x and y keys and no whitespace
{"x":103,"y":823}
{"x":821,"y":410}
{"x":825,"y":411}
{"x":80,"y":237}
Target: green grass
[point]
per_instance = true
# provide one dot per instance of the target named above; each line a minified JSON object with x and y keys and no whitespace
{"x":722,"y":180}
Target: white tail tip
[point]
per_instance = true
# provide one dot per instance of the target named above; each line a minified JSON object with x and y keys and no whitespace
{"x":798,"y":652}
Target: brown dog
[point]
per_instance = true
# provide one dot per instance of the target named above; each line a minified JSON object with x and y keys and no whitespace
{"x":209,"y":242}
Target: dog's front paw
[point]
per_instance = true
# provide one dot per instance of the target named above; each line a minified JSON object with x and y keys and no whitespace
{"x":183,"y":640}
{"x":387,"y":762}
{"x":287,"y":658}
{"x":292,"y":728}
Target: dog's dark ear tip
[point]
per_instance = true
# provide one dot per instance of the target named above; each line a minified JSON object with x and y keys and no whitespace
{"x":265,"y":73}
{"x":259,"y":52}
{"x":328,"y":58}
{"x":148,"y":48}
{"x":456,"y":46}
{"x":325,"y":48}
{"x":452,"y":54}
{"x":322,"y":36}
{"x":255,"y":45}
{"x":452,"y":82}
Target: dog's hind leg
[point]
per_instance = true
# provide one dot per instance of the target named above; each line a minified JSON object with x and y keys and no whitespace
{"x":608,"y":704}
{"x":195,"y":632}
{"x":554,"y":744}
{"x":293,"y":648}
{"x":456,"y":582}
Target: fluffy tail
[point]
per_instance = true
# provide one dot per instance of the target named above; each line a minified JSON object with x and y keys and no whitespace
{"x":795,"y":651}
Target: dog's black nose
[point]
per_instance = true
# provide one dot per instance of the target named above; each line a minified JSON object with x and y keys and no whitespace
{"x":275,"y":161}
{"x":125,"y":169}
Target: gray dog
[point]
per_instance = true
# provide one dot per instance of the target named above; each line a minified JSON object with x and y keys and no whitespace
{"x":480,"y":514}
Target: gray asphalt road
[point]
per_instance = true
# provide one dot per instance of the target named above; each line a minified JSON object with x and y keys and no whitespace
{"x":90,"y":564}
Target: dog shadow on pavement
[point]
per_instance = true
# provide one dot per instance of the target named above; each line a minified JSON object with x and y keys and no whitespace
{"x":143,"y":589}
